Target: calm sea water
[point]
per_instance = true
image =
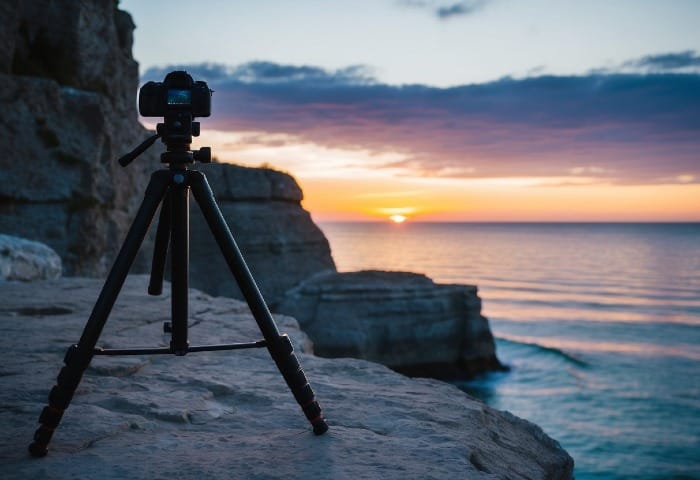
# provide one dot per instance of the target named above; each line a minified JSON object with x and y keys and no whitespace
{"x":599,"y":322}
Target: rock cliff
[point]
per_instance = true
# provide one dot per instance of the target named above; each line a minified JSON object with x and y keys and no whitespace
{"x":402,"y":320}
{"x":223,"y":415}
{"x":67,"y":85}
{"x":67,"y":90}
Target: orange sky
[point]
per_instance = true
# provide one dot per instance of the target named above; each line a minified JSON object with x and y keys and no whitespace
{"x":344,"y":185}
{"x":455,"y":200}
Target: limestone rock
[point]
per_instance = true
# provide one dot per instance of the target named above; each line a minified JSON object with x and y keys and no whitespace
{"x":281,"y":244}
{"x":223,"y":415}
{"x":25,"y":260}
{"x":402,"y":320}
{"x":68,"y":113}
{"x":85,"y":45}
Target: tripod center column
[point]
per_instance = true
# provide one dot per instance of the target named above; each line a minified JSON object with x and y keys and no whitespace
{"x":180,"y":253}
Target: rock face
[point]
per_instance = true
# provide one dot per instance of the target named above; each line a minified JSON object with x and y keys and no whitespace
{"x":224,"y":415}
{"x":402,"y":320}
{"x":67,"y":92}
{"x":67,"y":85}
{"x":25,"y":260}
{"x":277,"y":237}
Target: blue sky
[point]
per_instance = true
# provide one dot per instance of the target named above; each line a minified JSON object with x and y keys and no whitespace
{"x":407,"y":41}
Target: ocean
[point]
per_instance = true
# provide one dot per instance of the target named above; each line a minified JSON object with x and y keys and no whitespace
{"x":600,"y":324}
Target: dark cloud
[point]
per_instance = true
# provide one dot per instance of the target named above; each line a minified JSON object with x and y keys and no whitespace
{"x":459,"y":9}
{"x":443,"y":10}
{"x":667,"y":61}
{"x":622,"y":128}
{"x":270,"y":73}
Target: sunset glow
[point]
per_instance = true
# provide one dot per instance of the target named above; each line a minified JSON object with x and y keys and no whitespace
{"x":582,"y":133}
{"x":351,"y":184}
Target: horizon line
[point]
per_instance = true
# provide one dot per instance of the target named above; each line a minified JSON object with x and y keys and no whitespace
{"x":562,"y":222}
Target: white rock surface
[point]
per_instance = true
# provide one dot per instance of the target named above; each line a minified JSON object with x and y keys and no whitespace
{"x":225,"y":415}
{"x":26,"y":260}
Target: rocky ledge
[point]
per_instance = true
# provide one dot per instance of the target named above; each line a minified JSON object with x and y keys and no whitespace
{"x":400,"y":319}
{"x":281,"y":244}
{"x":229,"y":414}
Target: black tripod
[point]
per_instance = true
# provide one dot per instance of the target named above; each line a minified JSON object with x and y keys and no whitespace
{"x":171,"y":187}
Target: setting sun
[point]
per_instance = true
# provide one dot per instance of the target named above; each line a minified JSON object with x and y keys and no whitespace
{"x":397,"y":218}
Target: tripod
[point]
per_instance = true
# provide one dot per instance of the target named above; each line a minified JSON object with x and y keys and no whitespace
{"x":170,"y":188}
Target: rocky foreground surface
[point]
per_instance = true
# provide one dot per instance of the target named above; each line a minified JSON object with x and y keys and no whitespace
{"x":229,"y":414}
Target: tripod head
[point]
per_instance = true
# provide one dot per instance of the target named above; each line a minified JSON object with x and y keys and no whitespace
{"x":178,"y":99}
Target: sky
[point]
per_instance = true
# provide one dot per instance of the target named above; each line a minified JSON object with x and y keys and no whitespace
{"x":431,"y":110}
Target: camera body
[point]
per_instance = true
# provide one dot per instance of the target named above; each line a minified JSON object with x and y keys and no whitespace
{"x":178,"y":92}
{"x":178,"y":99}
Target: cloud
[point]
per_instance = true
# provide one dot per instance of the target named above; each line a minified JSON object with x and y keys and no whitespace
{"x":687,"y":61}
{"x":666,"y":62}
{"x":270,"y":73}
{"x":459,"y":9}
{"x":619,"y":128}
{"x":445,"y":11}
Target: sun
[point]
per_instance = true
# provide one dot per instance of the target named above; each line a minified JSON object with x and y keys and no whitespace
{"x":396,"y":214}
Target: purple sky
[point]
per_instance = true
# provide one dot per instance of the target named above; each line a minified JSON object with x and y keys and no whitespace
{"x":624,"y":128}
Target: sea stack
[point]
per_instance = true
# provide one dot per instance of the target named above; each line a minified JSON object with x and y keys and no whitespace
{"x":400,"y":319}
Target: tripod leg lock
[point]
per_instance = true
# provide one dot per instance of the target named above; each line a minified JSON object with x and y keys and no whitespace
{"x":59,"y":398}
{"x":282,"y":352}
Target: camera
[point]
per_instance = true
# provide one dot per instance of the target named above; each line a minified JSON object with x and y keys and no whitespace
{"x":178,"y":92}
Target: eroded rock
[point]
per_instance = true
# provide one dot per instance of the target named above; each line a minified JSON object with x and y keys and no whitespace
{"x":400,"y":319}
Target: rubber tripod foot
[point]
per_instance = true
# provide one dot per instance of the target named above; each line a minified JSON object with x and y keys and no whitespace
{"x":320,"y":427}
{"x":38,"y":451}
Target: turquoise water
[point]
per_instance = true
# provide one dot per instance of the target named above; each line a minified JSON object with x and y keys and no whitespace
{"x":599,"y":322}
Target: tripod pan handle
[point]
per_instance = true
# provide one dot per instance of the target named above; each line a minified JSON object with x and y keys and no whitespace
{"x":129,"y":157}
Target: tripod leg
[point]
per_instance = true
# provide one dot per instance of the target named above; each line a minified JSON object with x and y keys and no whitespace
{"x":79,"y":356}
{"x":179,"y":199}
{"x":279,"y":346}
{"x":160,"y":248}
